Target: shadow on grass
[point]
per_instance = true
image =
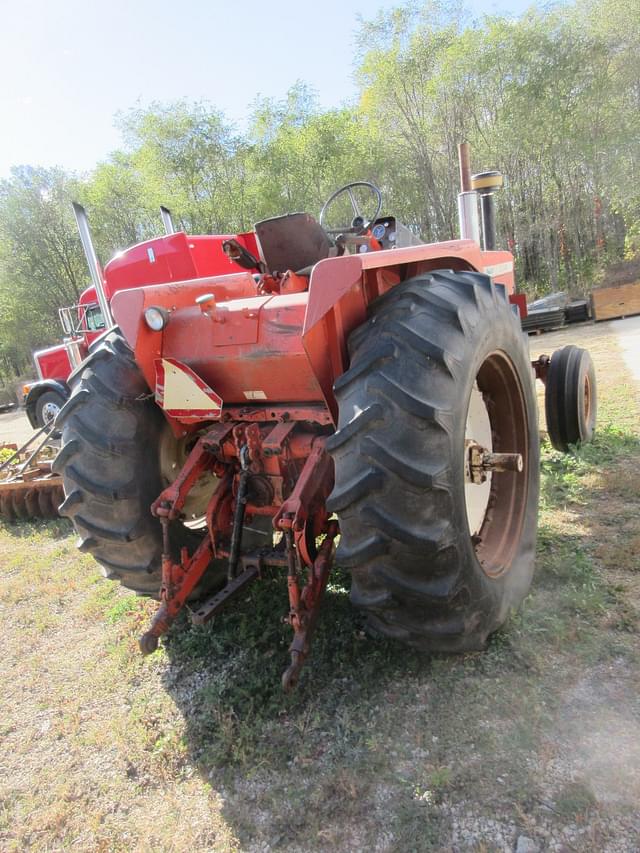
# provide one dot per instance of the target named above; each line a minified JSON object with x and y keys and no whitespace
{"x":562,"y":472}
{"x":316,"y":759}
{"x":226,"y":676}
{"x":242,"y":713}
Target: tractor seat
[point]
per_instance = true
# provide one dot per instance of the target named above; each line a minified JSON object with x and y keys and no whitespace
{"x":292,"y":242}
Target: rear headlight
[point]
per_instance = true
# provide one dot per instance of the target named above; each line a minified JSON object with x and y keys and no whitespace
{"x":156,"y":318}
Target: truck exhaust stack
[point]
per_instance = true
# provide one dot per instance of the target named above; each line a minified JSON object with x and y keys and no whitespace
{"x":92,"y":260}
{"x":167,"y":220}
{"x":467,"y":199}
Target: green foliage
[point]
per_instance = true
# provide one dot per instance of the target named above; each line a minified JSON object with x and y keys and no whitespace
{"x":550,"y":98}
{"x":41,"y":264}
{"x":5,"y":453}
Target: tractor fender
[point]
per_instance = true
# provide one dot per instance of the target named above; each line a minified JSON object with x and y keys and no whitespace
{"x":341,"y":289}
{"x":37,"y":390}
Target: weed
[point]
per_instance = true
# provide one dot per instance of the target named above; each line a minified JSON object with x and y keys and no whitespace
{"x":575,"y":800}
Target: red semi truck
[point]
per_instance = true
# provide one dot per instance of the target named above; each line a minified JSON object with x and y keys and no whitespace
{"x":178,"y":258}
{"x":81,"y":324}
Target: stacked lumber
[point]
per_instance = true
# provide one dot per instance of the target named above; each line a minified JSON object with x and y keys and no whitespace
{"x":618,"y":300}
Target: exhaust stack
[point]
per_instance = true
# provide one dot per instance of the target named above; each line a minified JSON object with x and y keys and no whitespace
{"x":486,"y":183}
{"x":92,"y":260}
{"x":167,"y":220}
{"x":467,"y":198}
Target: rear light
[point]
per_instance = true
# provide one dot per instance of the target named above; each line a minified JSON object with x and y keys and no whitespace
{"x":156,"y":318}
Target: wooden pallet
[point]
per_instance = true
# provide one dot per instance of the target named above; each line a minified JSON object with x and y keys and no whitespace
{"x":622,"y":300}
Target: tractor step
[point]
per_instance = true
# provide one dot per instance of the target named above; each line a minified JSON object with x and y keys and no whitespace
{"x":208,"y":609}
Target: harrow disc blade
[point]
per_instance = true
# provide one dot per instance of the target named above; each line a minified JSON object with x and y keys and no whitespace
{"x":20,"y":500}
{"x":6,"y":506}
{"x":31,"y":503}
{"x":20,"y":504}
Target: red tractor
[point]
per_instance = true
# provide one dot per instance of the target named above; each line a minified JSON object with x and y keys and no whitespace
{"x":265,"y":394}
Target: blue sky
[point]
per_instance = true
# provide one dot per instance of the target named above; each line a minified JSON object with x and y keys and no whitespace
{"x":67,"y":66}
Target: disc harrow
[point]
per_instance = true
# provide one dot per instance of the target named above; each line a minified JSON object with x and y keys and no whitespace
{"x":28,"y":487}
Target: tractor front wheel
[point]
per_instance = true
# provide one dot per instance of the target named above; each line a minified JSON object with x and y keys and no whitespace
{"x":437,"y":462}
{"x":570,"y":398}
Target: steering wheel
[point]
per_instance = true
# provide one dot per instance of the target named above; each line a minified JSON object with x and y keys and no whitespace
{"x":359,"y":223}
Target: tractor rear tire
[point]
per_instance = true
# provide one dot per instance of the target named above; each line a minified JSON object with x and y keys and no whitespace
{"x":421,"y":571}
{"x":570,"y":398}
{"x":110,"y":463}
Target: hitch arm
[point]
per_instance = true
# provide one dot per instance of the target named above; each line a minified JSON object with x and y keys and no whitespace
{"x":178,"y":582}
{"x":305,"y":605}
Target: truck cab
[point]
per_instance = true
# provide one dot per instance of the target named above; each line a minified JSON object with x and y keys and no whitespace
{"x":81,"y":325}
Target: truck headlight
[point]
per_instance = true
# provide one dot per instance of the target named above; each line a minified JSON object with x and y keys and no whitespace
{"x":156,"y":317}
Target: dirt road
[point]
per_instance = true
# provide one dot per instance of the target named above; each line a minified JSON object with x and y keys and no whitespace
{"x":628,"y":333}
{"x":15,"y":427}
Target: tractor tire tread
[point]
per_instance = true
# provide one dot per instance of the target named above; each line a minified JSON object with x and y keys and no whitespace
{"x":393,"y":492}
{"x":109,"y":493}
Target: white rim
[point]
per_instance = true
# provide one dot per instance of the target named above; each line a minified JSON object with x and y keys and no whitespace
{"x":478,"y":430}
{"x":50,"y":412}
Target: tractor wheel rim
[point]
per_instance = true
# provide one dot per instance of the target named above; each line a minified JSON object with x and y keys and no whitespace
{"x":477,"y":429}
{"x":50,"y":412}
{"x":173,"y":455}
{"x":496,"y":510}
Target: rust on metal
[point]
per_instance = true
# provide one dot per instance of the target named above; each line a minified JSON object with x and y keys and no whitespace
{"x":464,"y":162}
{"x":541,"y":367}
{"x":28,"y":488}
{"x":253,"y":463}
{"x":209,"y":608}
{"x":481,"y":462}
{"x":305,"y":604}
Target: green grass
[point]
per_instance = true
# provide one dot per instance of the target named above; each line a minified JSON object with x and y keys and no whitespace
{"x":374,"y":705}
{"x":379,"y":745}
{"x":240,"y":717}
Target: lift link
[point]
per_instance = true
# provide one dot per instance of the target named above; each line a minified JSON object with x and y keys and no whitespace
{"x":305,"y":605}
{"x":178,"y":582}
{"x":301,"y":518}
{"x":238,"y":516}
{"x":180,"y":579}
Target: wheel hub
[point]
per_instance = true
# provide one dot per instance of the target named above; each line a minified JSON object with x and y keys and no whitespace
{"x":477,"y":487}
{"x":50,"y":412}
{"x":496,"y":463}
{"x":173,"y":455}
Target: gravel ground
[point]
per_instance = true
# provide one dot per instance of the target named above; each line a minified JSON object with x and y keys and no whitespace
{"x":628,"y":334}
{"x":15,"y":427}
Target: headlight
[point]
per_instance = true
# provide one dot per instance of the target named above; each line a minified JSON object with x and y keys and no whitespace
{"x":156,"y":318}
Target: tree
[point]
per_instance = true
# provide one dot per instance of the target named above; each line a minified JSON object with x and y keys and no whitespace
{"x":41,"y":262}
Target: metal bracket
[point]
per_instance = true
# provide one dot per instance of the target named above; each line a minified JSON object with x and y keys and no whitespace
{"x":208,"y":609}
